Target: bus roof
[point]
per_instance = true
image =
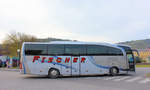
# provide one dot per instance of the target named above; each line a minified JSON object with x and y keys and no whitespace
{"x":68,"y":42}
{"x":124,"y":45}
{"x":73,"y":42}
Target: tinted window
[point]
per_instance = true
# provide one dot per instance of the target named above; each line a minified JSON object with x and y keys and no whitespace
{"x":36,"y":49}
{"x":114,"y":51}
{"x":96,"y":50}
{"x":56,"y":49}
{"x":102,"y":50}
{"x":75,"y":49}
{"x":127,"y":49}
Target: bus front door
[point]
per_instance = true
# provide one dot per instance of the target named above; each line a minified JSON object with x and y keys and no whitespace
{"x":131,"y":62}
{"x":75,"y":69}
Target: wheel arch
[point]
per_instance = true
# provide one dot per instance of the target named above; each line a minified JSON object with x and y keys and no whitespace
{"x":118,"y":71}
{"x":52,"y":69}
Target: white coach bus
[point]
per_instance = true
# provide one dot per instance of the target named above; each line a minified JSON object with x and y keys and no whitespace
{"x":68,"y":58}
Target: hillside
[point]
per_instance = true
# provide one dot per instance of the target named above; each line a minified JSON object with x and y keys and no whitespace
{"x":138,"y":44}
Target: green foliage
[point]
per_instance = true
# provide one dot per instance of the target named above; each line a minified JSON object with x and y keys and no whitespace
{"x":143,"y":66}
{"x":14,"y":40}
{"x":148,"y":74}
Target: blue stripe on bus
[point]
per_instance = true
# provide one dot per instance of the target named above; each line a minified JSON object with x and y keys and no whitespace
{"x":63,"y":64}
{"x":66,"y":66}
{"x":23,"y":63}
{"x":91,"y":59}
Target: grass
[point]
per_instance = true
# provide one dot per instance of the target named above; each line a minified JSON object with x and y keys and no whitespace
{"x":142,"y":65}
{"x":14,"y":68}
{"x":148,"y":74}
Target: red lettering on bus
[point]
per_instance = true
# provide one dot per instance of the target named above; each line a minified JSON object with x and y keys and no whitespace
{"x":50,"y":59}
{"x":58,"y":60}
{"x":83,"y":60}
{"x":75,"y":60}
{"x":67,"y":60}
{"x":35,"y":58}
{"x":43,"y":59}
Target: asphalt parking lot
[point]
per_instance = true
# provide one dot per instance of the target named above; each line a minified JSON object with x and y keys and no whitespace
{"x":12,"y":80}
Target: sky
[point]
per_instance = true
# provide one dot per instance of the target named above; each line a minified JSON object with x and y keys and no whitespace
{"x":84,"y":20}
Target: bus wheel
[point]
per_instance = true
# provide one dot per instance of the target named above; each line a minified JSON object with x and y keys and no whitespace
{"x":53,"y":73}
{"x":114,"y":71}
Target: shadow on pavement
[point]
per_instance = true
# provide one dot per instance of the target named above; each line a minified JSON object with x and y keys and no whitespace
{"x":70,"y":77}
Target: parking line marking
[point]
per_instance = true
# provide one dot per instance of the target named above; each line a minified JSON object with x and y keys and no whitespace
{"x":110,"y":78}
{"x":145,"y":81}
{"x":133,"y":79}
{"x":123,"y":78}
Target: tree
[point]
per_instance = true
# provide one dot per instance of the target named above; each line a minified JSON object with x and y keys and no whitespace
{"x":14,"y":40}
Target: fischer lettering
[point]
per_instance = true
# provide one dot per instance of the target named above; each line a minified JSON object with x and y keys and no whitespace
{"x":58,"y":59}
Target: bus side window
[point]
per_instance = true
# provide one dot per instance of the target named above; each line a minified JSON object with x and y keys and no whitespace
{"x":103,"y":50}
{"x":114,"y":51}
{"x":56,"y":49}
{"x":36,"y":49}
{"x":96,"y":50}
{"x":75,"y":49}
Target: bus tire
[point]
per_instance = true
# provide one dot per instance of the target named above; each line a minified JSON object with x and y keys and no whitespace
{"x":114,"y":71}
{"x":53,"y":73}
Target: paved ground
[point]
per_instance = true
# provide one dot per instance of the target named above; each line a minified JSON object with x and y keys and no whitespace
{"x":142,"y":71}
{"x":11,"y":80}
